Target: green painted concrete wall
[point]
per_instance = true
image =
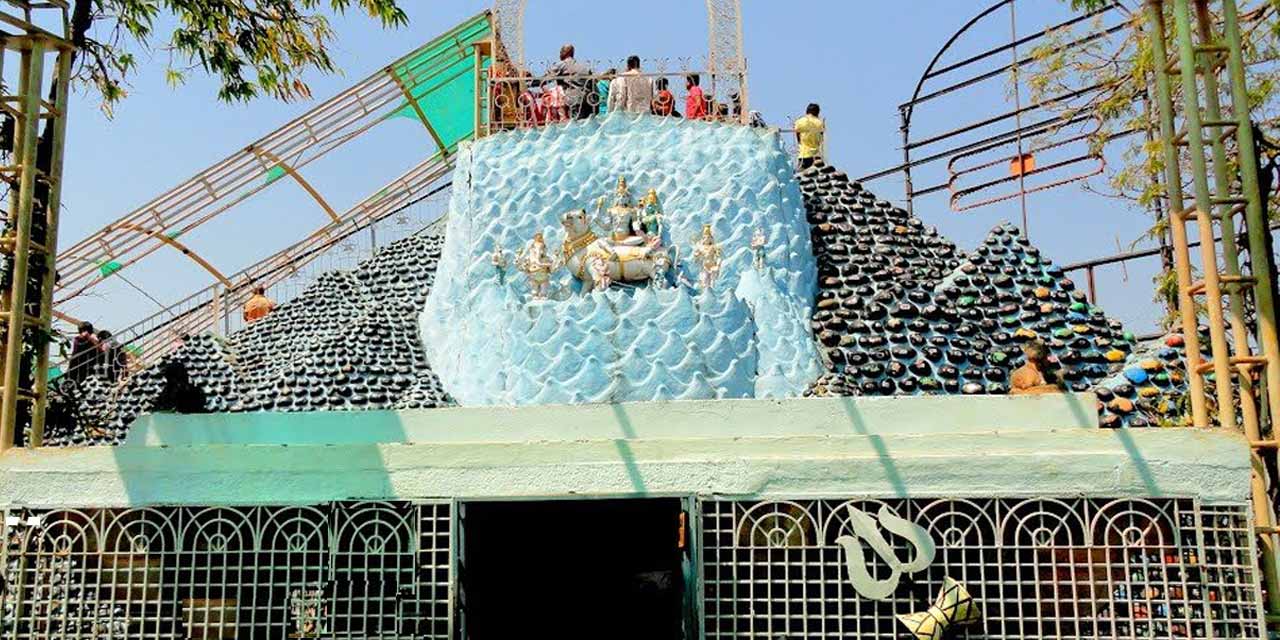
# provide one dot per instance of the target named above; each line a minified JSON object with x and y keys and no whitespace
{"x":883,"y":447}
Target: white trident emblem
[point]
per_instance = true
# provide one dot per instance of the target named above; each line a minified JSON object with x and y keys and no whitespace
{"x":864,"y":527}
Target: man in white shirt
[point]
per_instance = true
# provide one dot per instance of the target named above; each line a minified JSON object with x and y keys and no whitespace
{"x":631,"y":92}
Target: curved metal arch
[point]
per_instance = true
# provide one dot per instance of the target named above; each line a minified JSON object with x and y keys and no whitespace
{"x":909,"y":107}
{"x":272,"y":160}
{"x":182,"y":248}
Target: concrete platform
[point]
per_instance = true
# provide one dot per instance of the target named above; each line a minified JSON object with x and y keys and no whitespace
{"x":885,"y":447}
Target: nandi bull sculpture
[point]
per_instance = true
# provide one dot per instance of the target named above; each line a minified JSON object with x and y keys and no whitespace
{"x":599,"y":262}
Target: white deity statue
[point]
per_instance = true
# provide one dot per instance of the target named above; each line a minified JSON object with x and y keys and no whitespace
{"x":537,"y":264}
{"x":499,"y":260}
{"x":622,"y":219}
{"x":709,"y":256}
{"x":758,"y":241}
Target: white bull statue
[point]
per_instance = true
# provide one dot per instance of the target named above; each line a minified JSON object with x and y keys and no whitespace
{"x":599,"y":262}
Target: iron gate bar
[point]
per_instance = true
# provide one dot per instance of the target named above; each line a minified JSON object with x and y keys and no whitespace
{"x":907,"y":109}
{"x":152,"y":334}
{"x":1097,"y":35}
{"x":1033,"y":129}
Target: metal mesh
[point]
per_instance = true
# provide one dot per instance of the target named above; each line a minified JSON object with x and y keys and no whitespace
{"x":343,"y":570}
{"x":1038,"y":568}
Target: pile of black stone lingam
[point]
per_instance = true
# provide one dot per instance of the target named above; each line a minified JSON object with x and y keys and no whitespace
{"x":348,"y":342}
{"x":900,"y":312}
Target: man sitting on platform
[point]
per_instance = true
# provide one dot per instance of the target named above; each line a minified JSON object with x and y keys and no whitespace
{"x":259,"y":305}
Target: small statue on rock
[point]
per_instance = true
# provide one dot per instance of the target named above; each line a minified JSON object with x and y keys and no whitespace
{"x":499,"y":260}
{"x":1037,"y":375}
{"x":537,"y":264}
{"x":709,"y":256}
{"x":758,"y":242}
{"x":651,"y":216}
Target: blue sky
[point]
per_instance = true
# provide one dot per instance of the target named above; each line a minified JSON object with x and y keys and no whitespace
{"x":858,"y":58}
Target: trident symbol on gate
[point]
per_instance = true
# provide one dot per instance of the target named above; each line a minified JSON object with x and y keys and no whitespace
{"x":864,"y":528}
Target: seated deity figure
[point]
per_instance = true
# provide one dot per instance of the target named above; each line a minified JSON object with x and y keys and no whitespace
{"x":624,"y":225}
{"x":631,"y":250}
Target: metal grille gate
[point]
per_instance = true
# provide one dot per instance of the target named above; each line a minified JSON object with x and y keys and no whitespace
{"x":1038,"y":568}
{"x":339,"y":570}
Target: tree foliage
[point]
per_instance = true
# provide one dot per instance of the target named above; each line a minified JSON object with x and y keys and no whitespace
{"x":252,"y":47}
{"x":1124,"y":122}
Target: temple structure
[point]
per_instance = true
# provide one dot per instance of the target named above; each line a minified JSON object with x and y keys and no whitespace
{"x":667,"y":447}
{"x":645,"y":380}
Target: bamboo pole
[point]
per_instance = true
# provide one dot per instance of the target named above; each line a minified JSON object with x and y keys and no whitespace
{"x":1177,"y":225}
{"x":1203,"y":214}
{"x":29,"y":89}
{"x":53,"y":210}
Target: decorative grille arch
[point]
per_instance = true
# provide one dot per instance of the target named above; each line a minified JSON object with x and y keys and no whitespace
{"x":1038,"y":568}
{"x":341,"y":570}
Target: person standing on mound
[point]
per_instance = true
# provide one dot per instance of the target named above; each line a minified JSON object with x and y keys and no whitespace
{"x":809,"y":132}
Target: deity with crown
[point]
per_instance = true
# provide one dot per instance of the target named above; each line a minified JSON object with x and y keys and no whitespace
{"x":537,"y":263}
{"x":709,"y":256}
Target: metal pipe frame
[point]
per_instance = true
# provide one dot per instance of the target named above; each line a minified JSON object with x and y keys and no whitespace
{"x":220,"y":187}
{"x":153,"y":335}
{"x":949,"y":148}
{"x":22,"y":330}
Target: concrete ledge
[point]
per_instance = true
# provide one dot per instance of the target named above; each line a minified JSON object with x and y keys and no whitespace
{"x":649,"y":420}
{"x":1140,"y":463}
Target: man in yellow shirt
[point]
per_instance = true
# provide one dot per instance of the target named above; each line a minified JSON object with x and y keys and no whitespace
{"x":809,"y":132}
{"x":258,"y":306}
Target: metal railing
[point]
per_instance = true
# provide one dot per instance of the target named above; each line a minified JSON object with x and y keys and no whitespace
{"x":337,"y":570}
{"x":525,"y":100}
{"x":216,"y":308}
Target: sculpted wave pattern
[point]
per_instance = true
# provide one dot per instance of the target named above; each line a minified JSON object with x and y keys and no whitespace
{"x":748,"y":337}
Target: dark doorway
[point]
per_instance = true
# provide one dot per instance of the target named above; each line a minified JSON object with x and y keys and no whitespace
{"x":572,"y":569}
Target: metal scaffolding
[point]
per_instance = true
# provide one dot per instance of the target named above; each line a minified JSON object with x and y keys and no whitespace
{"x":401,"y":85}
{"x":1195,"y":137}
{"x":34,"y":178}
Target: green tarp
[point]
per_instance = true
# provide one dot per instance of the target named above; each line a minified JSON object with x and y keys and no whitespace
{"x":441,"y":77}
{"x":275,"y":173}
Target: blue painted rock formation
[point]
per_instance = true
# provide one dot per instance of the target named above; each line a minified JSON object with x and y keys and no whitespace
{"x":747,"y":337}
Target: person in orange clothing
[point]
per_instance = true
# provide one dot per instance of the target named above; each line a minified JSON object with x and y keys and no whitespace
{"x":259,"y":305}
{"x":695,"y":104}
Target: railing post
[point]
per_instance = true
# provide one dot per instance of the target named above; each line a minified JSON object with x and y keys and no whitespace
{"x":216,"y":308}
